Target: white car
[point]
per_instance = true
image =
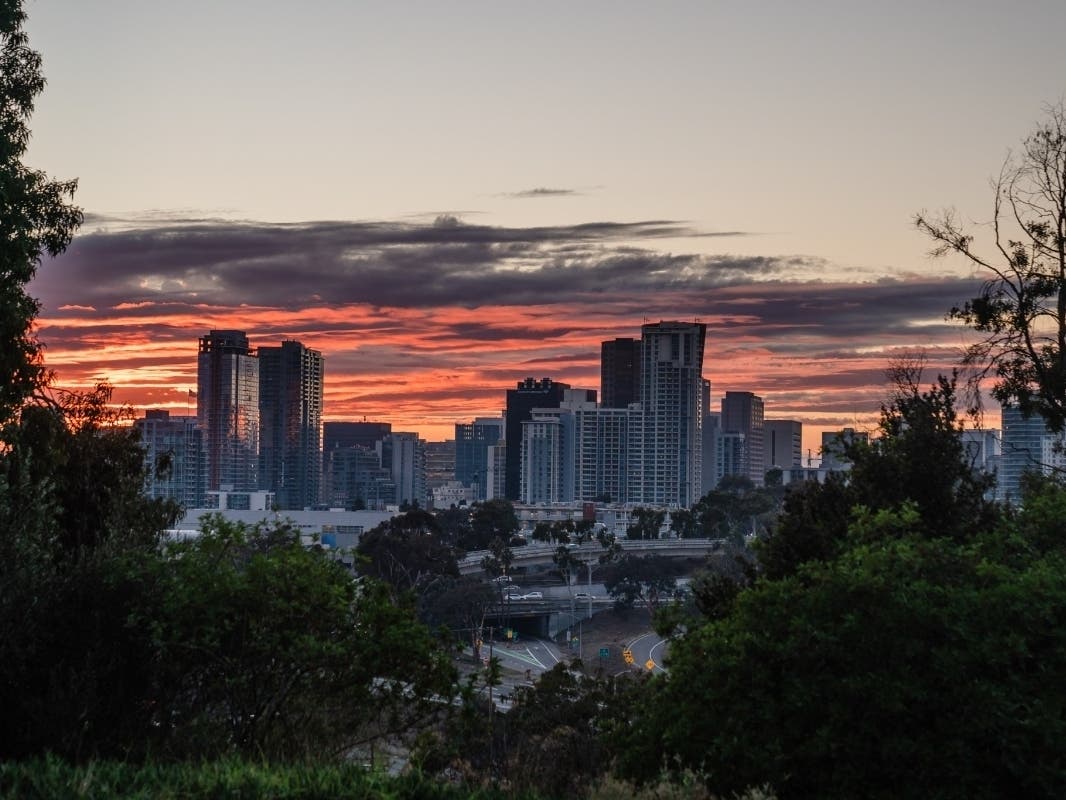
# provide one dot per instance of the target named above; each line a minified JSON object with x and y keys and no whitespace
{"x":502,"y":579}
{"x":533,"y":596}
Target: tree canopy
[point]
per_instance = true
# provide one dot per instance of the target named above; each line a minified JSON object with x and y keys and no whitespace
{"x":1020,"y":312}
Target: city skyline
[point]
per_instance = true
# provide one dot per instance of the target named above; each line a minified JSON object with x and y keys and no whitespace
{"x":449,"y":201}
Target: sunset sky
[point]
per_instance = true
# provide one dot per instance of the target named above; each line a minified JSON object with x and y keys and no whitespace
{"x":445,"y":198}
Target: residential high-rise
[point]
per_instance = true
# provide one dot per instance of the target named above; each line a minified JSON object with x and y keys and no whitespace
{"x":227,"y":410}
{"x":521,"y":401}
{"x":405,"y":453}
{"x":742,"y":412}
{"x":290,"y":424}
{"x":174,"y":456}
{"x":783,"y":439}
{"x":671,"y":389}
{"x":604,"y":458}
{"x":472,"y":443}
{"x":546,"y":463}
{"x":1027,"y":446}
{"x":835,"y":442}
{"x":619,"y":373}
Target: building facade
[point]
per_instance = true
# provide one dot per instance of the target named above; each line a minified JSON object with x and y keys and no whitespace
{"x":619,"y":373}
{"x":290,"y":418}
{"x":174,"y":458}
{"x":521,"y":401}
{"x":742,"y":412}
{"x":671,"y":392}
{"x":472,"y":443}
{"x":227,"y":410}
{"x":783,"y":439}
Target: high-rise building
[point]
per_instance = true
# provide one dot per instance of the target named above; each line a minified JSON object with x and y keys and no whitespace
{"x":1027,"y":446}
{"x":406,"y":453}
{"x":783,"y":440}
{"x":338,"y":435}
{"x":742,"y":412}
{"x":619,"y":373}
{"x":712,"y":435}
{"x":356,"y":479}
{"x":174,"y":457}
{"x":605,"y":441}
{"x":227,"y":410}
{"x":671,"y":391}
{"x":290,"y":424}
{"x":521,"y":401}
{"x":834,"y":443}
{"x":546,"y":461}
{"x":472,"y":443}
{"x":440,"y":465}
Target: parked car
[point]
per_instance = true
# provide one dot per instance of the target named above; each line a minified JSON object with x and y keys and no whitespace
{"x":533,"y":596}
{"x":513,"y":592}
{"x":502,"y":579}
{"x":584,"y":596}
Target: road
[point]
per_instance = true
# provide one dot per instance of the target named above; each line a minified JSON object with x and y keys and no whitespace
{"x":648,"y":648}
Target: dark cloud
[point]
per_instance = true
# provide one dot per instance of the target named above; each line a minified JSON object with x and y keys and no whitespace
{"x":541,"y":191}
{"x":447,"y":262}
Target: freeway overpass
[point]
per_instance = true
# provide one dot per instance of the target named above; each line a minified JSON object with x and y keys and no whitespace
{"x":539,"y":553}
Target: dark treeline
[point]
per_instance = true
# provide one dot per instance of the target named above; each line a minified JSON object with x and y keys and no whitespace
{"x":890,"y":632}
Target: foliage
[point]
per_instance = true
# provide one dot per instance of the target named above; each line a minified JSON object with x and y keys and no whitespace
{"x":490,"y":519}
{"x":458,"y":606}
{"x":454,"y":524}
{"x":46,"y":778}
{"x":74,"y":525}
{"x":911,"y":666}
{"x":1020,"y":312}
{"x":646,"y":524}
{"x":646,"y":579}
{"x":264,"y":646}
{"x":35,"y":217}
{"x":552,"y":741}
{"x":499,"y":559}
{"x":406,"y":552}
{"x":918,"y":459}
{"x":736,"y":508}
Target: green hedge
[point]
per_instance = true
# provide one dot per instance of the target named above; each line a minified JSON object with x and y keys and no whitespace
{"x":53,"y":779}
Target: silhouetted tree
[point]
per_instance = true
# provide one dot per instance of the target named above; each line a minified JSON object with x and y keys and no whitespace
{"x":1021,"y":310}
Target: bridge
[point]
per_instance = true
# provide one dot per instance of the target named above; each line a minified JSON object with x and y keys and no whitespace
{"x":540,"y":553}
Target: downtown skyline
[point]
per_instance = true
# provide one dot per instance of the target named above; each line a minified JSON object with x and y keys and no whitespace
{"x":449,"y":201}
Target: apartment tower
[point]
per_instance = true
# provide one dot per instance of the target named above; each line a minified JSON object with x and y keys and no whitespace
{"x":671,"y":393}
{"x":227,"y":410}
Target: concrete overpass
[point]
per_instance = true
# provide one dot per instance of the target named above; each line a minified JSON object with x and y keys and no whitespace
{"x":538,"y":553}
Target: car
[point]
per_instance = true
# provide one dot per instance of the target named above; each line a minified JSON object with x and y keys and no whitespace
{"x":584,"y":596}
{"x":502,"y":579}
{"x":533,"y":596}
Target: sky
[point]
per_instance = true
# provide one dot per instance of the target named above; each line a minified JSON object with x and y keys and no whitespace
{"x":446,"y":198}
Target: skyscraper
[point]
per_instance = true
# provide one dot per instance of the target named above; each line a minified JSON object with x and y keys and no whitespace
{"x":175,"y":443}
{"x":671,"y":389}
{"x":521,"y":401}
{"x":227,"y":410}
{"x":742,"y":412}
{"x":619,"y":373}
{"x":290,"y":415}
{"x":472,"y":443}
{"x":784,"y":443}
{"x":1028,"y":446}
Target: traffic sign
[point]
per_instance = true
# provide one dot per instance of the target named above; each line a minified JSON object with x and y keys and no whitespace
{"x":628,"y":656}
{"x":649,"y":664}
{"x":605,"y":652}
